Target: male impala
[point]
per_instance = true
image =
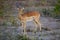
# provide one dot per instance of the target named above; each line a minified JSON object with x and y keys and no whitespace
{"x":29,"y":16}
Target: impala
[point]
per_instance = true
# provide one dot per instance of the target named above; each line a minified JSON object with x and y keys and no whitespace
{"x":29,"y":16}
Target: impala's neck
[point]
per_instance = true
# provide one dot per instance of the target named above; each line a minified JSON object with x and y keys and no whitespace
{"x":20,"y":16}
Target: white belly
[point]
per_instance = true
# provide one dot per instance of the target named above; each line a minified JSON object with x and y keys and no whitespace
{"x":29,"y":19}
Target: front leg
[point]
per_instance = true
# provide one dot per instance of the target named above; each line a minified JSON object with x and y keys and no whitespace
{"x":24,"y":26}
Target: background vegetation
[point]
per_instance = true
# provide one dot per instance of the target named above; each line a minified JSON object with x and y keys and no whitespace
{"x":6,"y":12}
{"x":57,"y":9}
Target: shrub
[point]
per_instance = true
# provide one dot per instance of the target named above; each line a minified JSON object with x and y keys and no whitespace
{"x":21,"y":37}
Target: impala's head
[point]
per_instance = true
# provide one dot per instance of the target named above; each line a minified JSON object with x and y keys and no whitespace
{"x":20,"y":10}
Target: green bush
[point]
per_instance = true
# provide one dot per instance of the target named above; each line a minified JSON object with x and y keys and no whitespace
{"x":57,"y":9}
{"x":21,"y":37}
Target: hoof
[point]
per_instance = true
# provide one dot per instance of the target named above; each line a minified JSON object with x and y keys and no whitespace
{"x":35,"y":31}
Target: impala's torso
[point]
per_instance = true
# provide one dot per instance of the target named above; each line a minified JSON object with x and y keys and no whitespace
{"x":29,"y":16}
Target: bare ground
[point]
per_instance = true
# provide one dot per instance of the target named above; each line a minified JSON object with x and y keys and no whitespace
{"x":50,"y":30}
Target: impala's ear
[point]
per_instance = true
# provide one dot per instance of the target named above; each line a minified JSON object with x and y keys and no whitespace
{"x":17,"y":8}
{"x":23,"y":8}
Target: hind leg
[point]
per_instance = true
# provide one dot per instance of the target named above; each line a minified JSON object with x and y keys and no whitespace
{"x":39,"y":23}
{"x":35,"y":26}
